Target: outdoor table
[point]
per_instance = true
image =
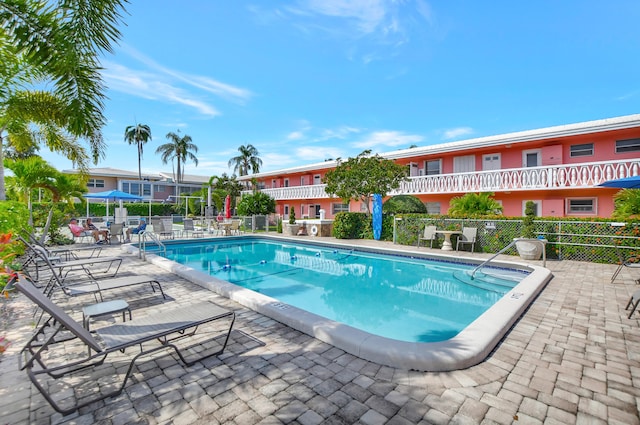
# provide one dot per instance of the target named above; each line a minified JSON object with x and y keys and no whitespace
{"x":446,"y":245}
{"x":103,"y":309}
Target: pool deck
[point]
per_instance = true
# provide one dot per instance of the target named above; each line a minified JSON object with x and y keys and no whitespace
{"x":573,"y":358}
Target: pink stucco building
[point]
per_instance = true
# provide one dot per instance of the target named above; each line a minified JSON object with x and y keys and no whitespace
{"x":558,"y":168}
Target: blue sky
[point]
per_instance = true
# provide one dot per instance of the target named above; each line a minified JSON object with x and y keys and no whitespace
{"x":308,"y":80}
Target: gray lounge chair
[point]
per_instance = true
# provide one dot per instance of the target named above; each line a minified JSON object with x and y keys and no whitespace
{"x":93,"y":286}
{"x":48,"y":358}
{"x":38,"y":255}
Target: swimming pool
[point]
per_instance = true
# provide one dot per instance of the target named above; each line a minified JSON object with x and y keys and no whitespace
{"x":397,"y":310}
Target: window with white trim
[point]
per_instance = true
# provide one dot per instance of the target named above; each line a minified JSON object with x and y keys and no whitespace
{"x":627,"y":145}
{"x":433,"y":167}
{"x":339,"y":207}
{"x":95,"y":183}
{"x":585,"y":149}
{"x":286,"y":182}
{"x":581,"y":206}
{"x":433,"y":207}
{"x":531,"y":158}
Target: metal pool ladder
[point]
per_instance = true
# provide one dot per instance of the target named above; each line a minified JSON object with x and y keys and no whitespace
{"x":512,"y":243}
{"x":142,"y":250}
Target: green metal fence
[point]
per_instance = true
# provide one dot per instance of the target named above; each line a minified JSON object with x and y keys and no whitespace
{"x":567,"y":240}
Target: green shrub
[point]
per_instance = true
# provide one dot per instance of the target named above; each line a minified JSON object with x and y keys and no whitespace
{"x":403,"y":204}
{"x":351,"y":225}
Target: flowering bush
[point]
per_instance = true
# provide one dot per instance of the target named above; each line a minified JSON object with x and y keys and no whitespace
{"x":4,"y":344}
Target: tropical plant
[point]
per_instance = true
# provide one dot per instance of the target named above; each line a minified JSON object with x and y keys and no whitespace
{"x":28,"y":174}
{"x":257,"y":203}
{"x":403,"y":204}
{"x":361,"y":177}
{"x":138,"y":134}
{"x":247,"y":162}
{"x":179,"y":149}
{"x":626,"y":204}
{"x":58,"y":42}
{"x":474,"y":205}
{"x":528,"y":227}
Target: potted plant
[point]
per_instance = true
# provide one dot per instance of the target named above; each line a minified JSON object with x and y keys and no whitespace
{"x":528,"y":246}
{"x":292,"y":228}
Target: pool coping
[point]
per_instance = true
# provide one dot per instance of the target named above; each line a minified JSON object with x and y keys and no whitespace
{"x":470,"y":347}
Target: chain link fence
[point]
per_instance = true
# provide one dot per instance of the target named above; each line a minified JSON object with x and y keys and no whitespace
{"x":567,"y":240}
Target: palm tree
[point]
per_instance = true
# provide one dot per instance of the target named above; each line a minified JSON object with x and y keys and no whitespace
{"x":59,"y":42}
{"x":474,"y":205}
{"x":247,"y":161}
{"x":180,"y":149}
{"x":138,"y":134}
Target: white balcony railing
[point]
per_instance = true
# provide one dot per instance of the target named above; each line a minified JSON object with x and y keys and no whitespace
{"x":554,"y":177}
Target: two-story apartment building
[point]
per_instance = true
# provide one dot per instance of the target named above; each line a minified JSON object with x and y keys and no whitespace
{"x":158,"y":187}
{"x":558,"y":168}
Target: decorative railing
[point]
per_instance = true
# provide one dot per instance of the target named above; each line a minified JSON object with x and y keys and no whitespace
{"x":315,"y":191}
{"x":553,"y":177}
{"x":584,"y":175}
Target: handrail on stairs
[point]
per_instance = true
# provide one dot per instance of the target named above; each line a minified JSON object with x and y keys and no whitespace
{"x":512,"y":243}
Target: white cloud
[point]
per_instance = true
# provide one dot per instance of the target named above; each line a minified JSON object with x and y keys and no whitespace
{"x":367,"y":14}
{"x":455,"y":133}
{"x":341,"y":132}
{"x":208,"y":84}
{"x":150,"y":86}
{"x":295,"y":135}
{"x":313,"y":154}
{"x":388,"y":138}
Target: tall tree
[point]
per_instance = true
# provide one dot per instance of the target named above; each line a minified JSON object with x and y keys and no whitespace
{"x":57,"y":43}
{"x":247,"y":162}
{"x":138,"y":134}
{"x":179,"y":149}
{"x":361,"y":177}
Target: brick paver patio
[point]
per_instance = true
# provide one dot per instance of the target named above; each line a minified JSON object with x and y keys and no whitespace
{"x":573,"y":358}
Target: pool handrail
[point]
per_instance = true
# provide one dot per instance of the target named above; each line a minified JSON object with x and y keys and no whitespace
{"x":143,"y":246}
{"x":512,"y":243}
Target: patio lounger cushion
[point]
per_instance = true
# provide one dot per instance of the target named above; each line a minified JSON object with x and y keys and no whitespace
{"x":47,"y":356}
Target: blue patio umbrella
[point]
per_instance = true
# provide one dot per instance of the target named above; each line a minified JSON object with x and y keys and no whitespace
{"x":112,"y":195}
{"x":625,"y":183}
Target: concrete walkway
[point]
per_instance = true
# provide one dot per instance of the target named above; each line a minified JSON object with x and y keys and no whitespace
{"x":573,"y":358}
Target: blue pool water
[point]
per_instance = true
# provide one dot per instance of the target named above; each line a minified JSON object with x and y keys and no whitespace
{"x":397,"y":297}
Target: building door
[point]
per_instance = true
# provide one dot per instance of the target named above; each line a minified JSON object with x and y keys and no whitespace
{"x":464,"y":164}
{"x":491,"y":162}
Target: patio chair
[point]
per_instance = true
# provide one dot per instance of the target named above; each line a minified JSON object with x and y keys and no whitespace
{"x":632,"y":262}
{"x":633,"y":303}
{"x":234,"y":229}
{"x":62,"y":368}
{"x":115,"y":232}
{"x":167,"y":229}
{"x":429,"y":235}
{"x":189,"y":227}
{"x":468,"y":237}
